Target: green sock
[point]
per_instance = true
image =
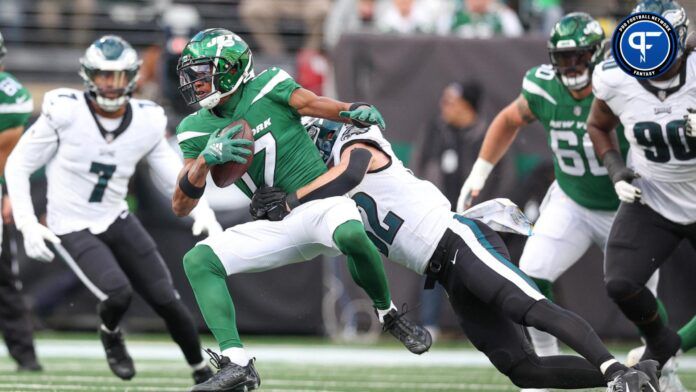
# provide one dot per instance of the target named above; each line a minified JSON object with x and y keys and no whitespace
{"x":208,"y":280}
{"x":688,"y":335}
{"x":662,"y":312}
{"x":545,"y":287}
{"x":364,"y":262}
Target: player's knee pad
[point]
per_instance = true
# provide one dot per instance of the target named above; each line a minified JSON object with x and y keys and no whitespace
{"x":350,"y":237}
{"x":162,"y":292}
{"x":620,"y":289}
{"x":200,"y":262}
{"x":117,"y":301}
{"x":505,"y":360}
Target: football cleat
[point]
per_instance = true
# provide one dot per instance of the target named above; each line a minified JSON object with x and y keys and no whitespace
{"x":414,"y":337}
{"x":632,"y":380}
{"x":202,"y":375}
{"x":650,"y":368}
{"x":669,"y":380}
{"x":635,"y":355}
{"x":29,"y":366}
{"x":230,"y":376}
{"x":120,"y":363}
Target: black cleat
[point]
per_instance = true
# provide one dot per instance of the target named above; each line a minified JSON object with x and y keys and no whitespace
{"x":662,"y":347}
{"x":29,"y":366}
{"x":631,"y":380}
{"x":651,"y":369}
{"x":416,"y":338}
{"x":230,"y":376}
{"x":202,"y":375}
{"x":120,"y":362}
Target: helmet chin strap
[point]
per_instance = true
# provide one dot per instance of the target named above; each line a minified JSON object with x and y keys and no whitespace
{"x":577,"y":82}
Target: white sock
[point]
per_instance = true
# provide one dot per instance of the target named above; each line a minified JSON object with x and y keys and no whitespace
{"x":544,"y":343}
{"x":604,"y":366}
{"x":237,"y":355}
{"x":198,"y":366}
{"x":107,"y":330}
{"x":383,"y":312}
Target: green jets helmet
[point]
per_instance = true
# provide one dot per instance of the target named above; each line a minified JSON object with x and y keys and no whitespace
{"x":213,"y":65}
{"x":675,"y":15}
{"x":109,"y":70}
{"x":3,"y":49}
{"x":576,"y":45}
{"x":323,"y":133}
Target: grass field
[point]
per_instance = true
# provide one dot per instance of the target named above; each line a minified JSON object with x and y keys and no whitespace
{"x":75,"y":363}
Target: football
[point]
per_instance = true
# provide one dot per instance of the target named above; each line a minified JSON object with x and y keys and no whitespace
{"x":227,"y":173}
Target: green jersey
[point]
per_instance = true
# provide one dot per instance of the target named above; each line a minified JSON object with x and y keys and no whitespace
{"x":15,"y":105}
{"x":578,"y":171}
{"x":284,"y":156}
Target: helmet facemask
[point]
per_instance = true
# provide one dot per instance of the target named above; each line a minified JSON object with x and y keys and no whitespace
{"x":206,"y":81}
{"x":574,"y":66}
{"x":323,"y":133}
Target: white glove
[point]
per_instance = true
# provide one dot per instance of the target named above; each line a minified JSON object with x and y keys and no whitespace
{"x":627,"y":193}
{"x":474,"y":183}
{"x":690,"y":119}
{"x":204,"y":221}
{"x":35,"y":237}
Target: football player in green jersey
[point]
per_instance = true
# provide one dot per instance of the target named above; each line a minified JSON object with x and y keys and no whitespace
{"x":16,"y":106}
{"x":216,"y":71}
{"x":580,"y":205}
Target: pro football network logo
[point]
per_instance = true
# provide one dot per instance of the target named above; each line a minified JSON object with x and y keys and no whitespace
{"x":644,"y":45}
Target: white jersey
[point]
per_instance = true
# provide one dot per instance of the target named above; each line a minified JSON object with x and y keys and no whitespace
{"x":405,"y":216}
{"x":88,"y":168}
{"x":654,"y":125}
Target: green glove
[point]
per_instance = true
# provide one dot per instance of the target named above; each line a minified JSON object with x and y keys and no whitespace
{"x":223,"y":148}
{"x":367,"y":115}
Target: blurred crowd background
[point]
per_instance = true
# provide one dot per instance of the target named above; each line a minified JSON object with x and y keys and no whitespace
{"x":438,"y":70}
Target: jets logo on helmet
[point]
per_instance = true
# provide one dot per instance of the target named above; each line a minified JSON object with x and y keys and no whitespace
{"x":109,"y":69}
{"x":214,"y":64}
{"x":576,"y":45}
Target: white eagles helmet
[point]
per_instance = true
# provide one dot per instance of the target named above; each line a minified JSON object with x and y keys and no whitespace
{"x":109,"y":70}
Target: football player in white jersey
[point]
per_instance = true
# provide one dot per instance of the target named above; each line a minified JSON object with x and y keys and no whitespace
{"x":657,"y":189}
{"x":411,"y":223}
{"x":91,"y":142}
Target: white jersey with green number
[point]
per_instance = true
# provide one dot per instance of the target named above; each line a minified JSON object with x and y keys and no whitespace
{"x":88,"y":167}
{"x":654,"y":125}
{"x":404,"y":216}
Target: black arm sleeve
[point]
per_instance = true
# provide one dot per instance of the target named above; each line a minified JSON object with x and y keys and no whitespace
{"x":615,"y":165}
{"x":355,"y":172}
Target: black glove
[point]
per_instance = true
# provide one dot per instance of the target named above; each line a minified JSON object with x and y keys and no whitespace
{"x":269,"y":203}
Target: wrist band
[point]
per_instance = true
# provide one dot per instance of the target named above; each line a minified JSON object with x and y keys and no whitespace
{"x":292,"y":201}
{"x":189,"y":189}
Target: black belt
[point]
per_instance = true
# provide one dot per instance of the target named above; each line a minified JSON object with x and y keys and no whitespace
{"x":435,"y":265}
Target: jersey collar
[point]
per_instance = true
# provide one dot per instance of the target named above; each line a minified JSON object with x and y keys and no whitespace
{"x":125,"y":121}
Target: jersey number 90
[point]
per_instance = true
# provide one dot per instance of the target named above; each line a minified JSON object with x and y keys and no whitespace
{"x":649,"y":135}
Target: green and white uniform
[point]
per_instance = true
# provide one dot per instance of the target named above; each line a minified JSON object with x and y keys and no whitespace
{"x":16,"y":106}
{"x":580,"y":205}
{"x":284,"y":157}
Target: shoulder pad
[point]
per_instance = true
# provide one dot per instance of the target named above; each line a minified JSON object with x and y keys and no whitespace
{"x":59,"y":105}
{"x":606,"y":79}
{"x":540,"y":81}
